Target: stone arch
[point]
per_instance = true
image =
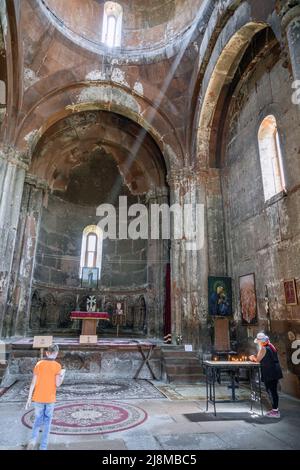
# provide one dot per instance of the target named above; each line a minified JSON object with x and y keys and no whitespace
{"x":140,"y":314}
{"x":98,"y":233}
{"x":109,"y":305}
{"x":263,"y":45}
{"x":275,"y":110}
{"x":11,"y":65}
{"x":225,"y":41}
{"x":35,"y":310}
{"x":103,"y":96}
{"x":51,"y":311}
{"x":133,"y":149}
{"x":66,"y":304}
{"x":270,"y":153}
{"x":223,"y":72}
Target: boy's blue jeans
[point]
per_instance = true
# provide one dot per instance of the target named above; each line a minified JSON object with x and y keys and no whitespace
{"x":43,"y":417}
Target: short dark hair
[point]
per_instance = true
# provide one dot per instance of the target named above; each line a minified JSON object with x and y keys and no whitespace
{"x":53,"y":348}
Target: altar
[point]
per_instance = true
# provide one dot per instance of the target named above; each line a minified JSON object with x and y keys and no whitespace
{"x":89,"y":320}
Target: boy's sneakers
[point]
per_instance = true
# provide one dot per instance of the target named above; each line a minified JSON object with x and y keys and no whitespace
{"x":31,"y":445}
{"x":273,"y":414}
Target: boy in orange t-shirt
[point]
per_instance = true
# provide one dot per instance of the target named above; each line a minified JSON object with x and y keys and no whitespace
{"x":47,"y":375}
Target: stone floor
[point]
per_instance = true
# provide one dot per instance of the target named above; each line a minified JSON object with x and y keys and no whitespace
{"x":169,"y":417}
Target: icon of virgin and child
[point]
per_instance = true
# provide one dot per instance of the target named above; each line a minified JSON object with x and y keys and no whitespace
{"x":220,"y":299}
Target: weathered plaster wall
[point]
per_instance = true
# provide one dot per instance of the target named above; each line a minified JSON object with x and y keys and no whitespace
{"x":264,"y":238}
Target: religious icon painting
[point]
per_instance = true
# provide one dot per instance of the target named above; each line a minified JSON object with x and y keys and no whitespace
{"x":290,"y":292}
{"x":89,"y":278}
{"x":248,"y":299}
{"x":219,"y":296}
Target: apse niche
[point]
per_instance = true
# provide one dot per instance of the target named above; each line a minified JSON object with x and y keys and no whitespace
{"x":94,"y":182}
{"x":88,"y":160}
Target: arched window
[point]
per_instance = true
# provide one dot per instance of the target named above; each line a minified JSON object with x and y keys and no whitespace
{"x":112,"y":24}
{"x":91,"y":248}
{"x":271,"y":158}
{"x":111,"y":31}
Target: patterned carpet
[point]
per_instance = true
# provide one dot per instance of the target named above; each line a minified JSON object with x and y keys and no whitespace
{"x":92,"y":418}
{"x":114,"y":389}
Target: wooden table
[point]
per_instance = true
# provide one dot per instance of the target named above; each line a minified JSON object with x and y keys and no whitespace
{"x":145,"y":359}
{"x":89,"y":321}
{"x":213,"y":370}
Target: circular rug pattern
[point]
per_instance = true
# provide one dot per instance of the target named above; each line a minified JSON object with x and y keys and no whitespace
{"x":92,"y":418}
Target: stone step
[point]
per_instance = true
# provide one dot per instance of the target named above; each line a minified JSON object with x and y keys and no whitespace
{"x":183,"y":369}
{"x":176,"y":353}
{"x":182,"y":360}
{"x":181,"y":366}
{"x":185,"y":378}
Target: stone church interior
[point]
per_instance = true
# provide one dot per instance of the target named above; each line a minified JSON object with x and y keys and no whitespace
{"x":136,"y":107}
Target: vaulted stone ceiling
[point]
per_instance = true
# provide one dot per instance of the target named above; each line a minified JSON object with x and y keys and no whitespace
{"x":145,"y":24}
{"x":68,"y":146}
{"x":157,"y":61}
{"x":59,"y":66}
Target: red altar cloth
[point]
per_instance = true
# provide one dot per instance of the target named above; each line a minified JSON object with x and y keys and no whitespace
{"x":89,"y":315}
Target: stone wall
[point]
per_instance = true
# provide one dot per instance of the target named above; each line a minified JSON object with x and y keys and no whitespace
{"x":124,"y":262}
{"x":57,"y":286}
{"x":50,"y":309}
{"x":57,"y":290}
{"x":104,"y":362}
{"x":264,"y":237}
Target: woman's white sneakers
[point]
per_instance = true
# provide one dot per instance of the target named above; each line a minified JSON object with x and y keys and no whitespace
{"x":273,"y":414}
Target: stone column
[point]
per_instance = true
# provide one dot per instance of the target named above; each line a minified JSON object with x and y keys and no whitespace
{"x":189,"y":268}
{"x":12,"y":174}
{"x":19,"y":294}
{"x":158,"y":257}
{"x":291,"y":25}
